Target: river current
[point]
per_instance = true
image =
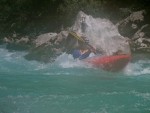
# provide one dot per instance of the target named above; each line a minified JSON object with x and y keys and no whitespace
{"x":69,"y":86}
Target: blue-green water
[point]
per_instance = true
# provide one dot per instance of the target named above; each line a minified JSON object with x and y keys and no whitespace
{"x":67,"y":86}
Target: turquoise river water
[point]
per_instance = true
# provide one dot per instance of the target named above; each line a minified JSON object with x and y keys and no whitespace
{"x":68,"y":86}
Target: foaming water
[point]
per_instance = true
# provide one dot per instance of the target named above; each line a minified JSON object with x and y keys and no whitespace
{"x":14,"y":61}
{"x":102,"y":33}
{"x":67,"y":61}
{"x":70,"y":86}
{"x":140,"y":67}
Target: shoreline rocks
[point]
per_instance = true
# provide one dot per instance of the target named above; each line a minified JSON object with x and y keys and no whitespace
{"x":19,"y":44}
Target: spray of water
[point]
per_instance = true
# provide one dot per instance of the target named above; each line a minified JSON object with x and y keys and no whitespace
{"x":14,"y":62}
{"x":140,"y":67}
{"x":102,"y":34}
{"x":67,"y":61}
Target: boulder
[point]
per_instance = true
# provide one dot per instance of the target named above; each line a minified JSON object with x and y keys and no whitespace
{"x":128,"y":26}
{"x":44,"y":38}
{"x":48,"y":47}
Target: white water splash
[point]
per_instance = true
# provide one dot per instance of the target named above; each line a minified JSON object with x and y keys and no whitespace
{"x":14,"y":62}
{"x":102,"y":34}
{"x":145,"y":95}
{"x":138,"y":68}
{"x":67,"y":61}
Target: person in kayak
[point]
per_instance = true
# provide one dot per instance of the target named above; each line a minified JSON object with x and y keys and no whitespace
{"x":81,"y":53}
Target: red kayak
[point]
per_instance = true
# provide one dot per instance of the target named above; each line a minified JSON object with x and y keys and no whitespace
{"x":109,"y":63}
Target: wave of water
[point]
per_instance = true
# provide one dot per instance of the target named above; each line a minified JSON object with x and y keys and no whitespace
{"x":14,"y":61}
{"x":138,"y":68}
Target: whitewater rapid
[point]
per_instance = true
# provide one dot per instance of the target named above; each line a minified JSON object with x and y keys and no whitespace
{"x":12,"y":61}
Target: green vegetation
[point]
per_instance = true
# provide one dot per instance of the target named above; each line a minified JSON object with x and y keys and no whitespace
{"x":37,"y":16}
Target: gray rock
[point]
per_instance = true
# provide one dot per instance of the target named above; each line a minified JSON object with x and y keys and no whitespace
{"x":8,"y":40}
{"x":23,"y":40}
{"x":44,"y":38}
{"x":48,"y":47}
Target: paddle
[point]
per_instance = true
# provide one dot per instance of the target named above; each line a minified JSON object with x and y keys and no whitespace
{"x":96,"y":51}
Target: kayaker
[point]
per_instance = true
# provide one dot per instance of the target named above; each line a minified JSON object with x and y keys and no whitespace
{"x":81,"y":53}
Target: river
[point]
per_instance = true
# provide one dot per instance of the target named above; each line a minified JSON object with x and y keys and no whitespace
{"x":69,"y":86}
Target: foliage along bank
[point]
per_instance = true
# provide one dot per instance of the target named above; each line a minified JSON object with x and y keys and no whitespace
{"x":34,"y":17}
